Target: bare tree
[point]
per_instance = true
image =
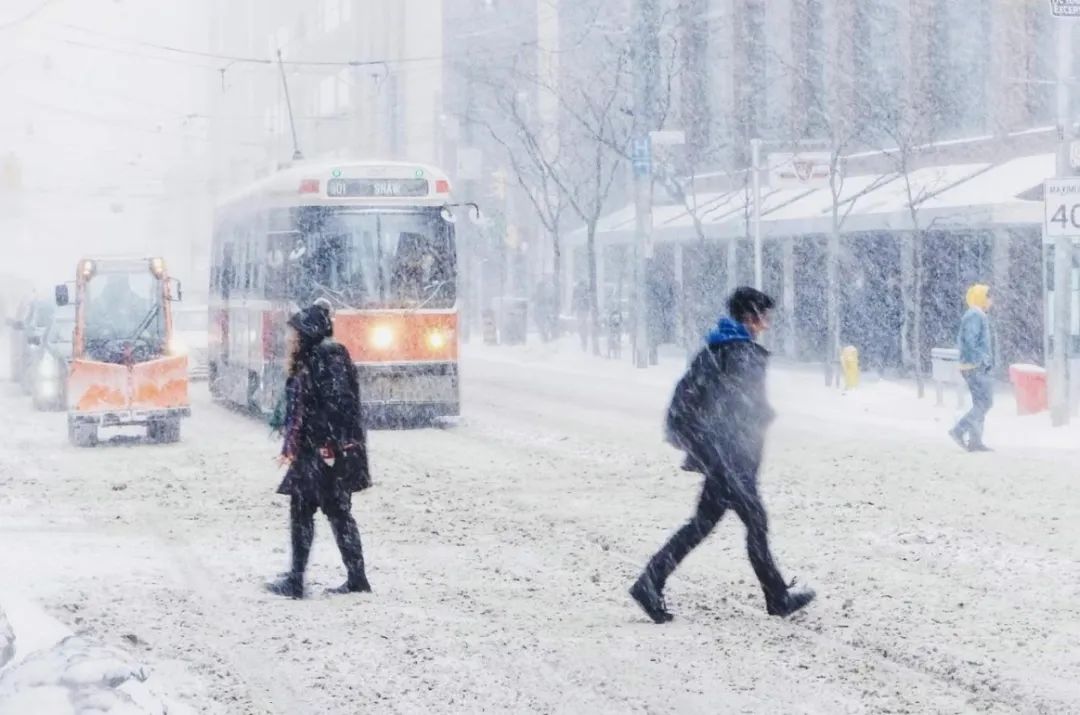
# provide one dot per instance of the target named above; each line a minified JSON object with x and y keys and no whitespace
{"x":533,"y":156}
{"x":833,"y":123}
{"x":909,"y":135}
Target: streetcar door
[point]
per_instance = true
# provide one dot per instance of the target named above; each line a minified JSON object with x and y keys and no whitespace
{"x":227,"y":272}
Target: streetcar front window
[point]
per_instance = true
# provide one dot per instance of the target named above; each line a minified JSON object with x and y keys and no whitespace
{"x":381,"y":259}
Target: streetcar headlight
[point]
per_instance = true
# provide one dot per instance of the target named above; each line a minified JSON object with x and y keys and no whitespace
{"x":437,"y":339}
{"x":382,"y":337}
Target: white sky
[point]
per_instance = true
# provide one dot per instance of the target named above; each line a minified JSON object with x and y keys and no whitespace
{"x":97,"y":118}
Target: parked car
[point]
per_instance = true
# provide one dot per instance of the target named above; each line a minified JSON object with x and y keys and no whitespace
{"x":27,"y":329}
{"x":191,"y":336}
{"x":50,"y":360}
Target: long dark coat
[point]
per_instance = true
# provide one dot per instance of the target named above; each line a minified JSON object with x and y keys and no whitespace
{"x":323,"y":411}
{"x":719,"y":412}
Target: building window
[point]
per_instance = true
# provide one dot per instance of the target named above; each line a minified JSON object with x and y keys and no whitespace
{"x":959,"y":58}
{"x":810,"y":62}
{"x":331,"y":15}
{"x":877,"y":71}
{"x":344,"y":89}
{"x":1041,"y":61}
{"x":327,"y":100}
{"x":393,"y":115}
{"x":750,"y":77}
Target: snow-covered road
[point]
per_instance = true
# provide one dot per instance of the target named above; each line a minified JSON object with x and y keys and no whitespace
{"x":500,"y":550}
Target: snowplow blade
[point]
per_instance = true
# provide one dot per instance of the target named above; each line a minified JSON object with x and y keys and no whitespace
{"x":97,"y":386}
{"x":160,"y":384}
{"x":127,"y":393}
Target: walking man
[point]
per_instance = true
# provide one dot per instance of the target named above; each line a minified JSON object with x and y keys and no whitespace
{"x":976,"y":343}
{"x":718,"y":417}
{"x":325,"y":448}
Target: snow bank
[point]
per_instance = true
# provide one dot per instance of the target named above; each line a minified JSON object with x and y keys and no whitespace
{"x":7,"y":640}
{"x":45,"y":669}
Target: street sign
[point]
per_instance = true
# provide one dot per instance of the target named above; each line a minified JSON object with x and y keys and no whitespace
{"x":641,"y":155}
{"x":1065,"y":8}
{"x":810,"y":170}
{"x":1074,"y":154}
{"x":1061,"y":205}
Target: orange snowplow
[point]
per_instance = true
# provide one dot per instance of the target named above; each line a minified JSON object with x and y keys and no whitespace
{"x":125,"y":369}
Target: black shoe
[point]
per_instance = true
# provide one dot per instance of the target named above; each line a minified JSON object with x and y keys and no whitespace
{"x":794,"y":598}
{"x":958,"y":437}
{"x":359,"y":585}
{"x":978,"y":447}
{"x":288,"y":586}
{"x":650,"y":599}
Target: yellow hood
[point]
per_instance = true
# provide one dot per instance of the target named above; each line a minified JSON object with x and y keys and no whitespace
{"x":978,"y":296}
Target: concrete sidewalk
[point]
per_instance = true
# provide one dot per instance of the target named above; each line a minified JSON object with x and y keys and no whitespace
{"x":799,"y":392}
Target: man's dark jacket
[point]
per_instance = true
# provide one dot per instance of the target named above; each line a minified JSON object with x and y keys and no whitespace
{"x":719,"y":412}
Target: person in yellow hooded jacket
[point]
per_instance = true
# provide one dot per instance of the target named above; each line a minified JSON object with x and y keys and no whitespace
{"x":976,"y":343}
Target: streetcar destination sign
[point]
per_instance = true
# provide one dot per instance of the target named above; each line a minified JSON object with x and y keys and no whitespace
{"x":1061,"y":199}
{"x":376,"y":188}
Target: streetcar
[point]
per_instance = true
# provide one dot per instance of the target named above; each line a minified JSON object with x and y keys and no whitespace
{"x":376,"y":241}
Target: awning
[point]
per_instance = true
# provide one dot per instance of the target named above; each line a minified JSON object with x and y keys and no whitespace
{"x":970,"y":195}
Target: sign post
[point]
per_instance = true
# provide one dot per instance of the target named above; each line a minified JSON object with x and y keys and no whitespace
{"x":1062,"y":224}
{"x":1061,"y":229}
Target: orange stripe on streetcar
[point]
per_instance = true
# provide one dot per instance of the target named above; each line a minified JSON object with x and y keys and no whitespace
{"x":398,"y":337}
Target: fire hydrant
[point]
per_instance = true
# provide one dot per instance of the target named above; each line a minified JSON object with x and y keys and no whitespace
{"x":849,"y":362}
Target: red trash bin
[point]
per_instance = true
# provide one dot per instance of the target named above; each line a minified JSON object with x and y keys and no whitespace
{"x":1029,"y":385}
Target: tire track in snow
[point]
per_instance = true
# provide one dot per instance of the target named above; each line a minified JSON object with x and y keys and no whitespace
{"x":949,"y":674}
{"x":265,"y":684}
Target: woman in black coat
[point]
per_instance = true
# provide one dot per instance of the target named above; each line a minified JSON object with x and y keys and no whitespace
{"x":325,"y":448}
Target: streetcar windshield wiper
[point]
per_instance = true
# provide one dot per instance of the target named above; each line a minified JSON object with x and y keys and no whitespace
{"x":432,"y":291}
{"x":336,"y":295}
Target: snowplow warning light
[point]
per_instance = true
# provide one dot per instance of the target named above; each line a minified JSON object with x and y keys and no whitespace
{"x":86,"y":269}
{"x":157,"y":267}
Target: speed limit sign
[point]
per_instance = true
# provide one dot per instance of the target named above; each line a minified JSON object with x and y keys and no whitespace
{"x":1061,"y":199}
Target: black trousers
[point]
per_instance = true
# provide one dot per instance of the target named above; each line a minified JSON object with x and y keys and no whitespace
{"x":981,"y":386}
{"x":338,"y":510}
{"x":717,"y":496}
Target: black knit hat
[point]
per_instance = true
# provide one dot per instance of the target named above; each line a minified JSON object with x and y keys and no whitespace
{"x":747,"y":303}
{"x":313,"y":324}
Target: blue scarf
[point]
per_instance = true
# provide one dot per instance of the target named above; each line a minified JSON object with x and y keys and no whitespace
{"x":728,"y":331}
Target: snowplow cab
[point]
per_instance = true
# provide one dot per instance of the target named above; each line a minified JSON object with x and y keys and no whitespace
{"x":125,"y":369}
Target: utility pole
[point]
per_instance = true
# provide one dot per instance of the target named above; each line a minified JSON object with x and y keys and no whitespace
{"x":1058,"y":376}
{"x":646,"y":60}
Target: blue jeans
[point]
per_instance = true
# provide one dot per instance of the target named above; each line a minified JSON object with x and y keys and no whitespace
{"x":981,"y":386}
